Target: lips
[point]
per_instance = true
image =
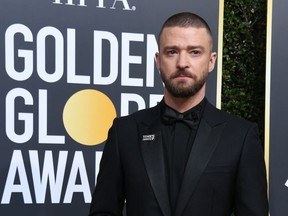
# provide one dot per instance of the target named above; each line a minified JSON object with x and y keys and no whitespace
{"x":182,"y":74}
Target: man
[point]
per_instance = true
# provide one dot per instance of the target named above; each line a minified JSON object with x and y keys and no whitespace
{"x":162,"y":162}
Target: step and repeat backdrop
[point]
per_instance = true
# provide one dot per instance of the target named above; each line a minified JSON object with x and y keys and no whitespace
{"x":67,"y":69}
{"x":277,"y":115}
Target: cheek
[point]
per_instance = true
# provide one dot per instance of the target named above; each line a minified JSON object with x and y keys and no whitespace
{"x":165,"y":66}
{"x":202,"y":65}
{"x":206,"y":65}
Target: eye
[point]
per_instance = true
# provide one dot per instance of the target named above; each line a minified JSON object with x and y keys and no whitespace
{"x":195,"y":52}
{"x":171,"y":52}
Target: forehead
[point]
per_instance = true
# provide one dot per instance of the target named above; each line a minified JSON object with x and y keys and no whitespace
{"x":192,"y":36}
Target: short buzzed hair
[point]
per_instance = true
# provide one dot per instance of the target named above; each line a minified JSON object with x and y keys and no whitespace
{"x":185,"y":20}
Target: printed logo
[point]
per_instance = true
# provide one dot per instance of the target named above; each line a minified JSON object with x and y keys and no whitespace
{"x":111,"y":4}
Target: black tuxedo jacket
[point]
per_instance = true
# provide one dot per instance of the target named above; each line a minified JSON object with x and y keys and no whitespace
{"x":225,"y":169}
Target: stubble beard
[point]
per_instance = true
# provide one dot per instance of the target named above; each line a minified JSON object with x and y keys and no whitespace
{"x":181,"y":88}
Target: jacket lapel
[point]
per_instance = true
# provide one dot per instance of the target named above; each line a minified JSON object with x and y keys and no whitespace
{"x":153,"y":156}
{"x":204,"y":145}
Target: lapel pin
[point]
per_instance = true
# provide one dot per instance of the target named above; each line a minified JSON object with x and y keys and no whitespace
{"x":148,"y":137}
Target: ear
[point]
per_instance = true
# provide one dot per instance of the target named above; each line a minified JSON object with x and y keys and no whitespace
{"x":212,"y":61}
{"x":157,"y":58}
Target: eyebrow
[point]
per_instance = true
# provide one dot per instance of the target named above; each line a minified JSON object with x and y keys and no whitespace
{"x":188,"y":47}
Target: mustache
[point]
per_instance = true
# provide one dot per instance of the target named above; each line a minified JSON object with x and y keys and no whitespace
{"x":183,"y":73}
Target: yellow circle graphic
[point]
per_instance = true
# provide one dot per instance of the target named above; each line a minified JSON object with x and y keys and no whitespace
{"x":87,"y":116}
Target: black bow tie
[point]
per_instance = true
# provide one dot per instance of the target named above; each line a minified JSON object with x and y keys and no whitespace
{"x":170,"y":116}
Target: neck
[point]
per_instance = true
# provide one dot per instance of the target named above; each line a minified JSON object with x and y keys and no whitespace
{"x":183,"y":104}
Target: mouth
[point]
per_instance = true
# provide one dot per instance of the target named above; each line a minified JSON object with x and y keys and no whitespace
{"x":182,"y":75}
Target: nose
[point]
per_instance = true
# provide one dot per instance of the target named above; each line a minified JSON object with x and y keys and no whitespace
{"x":182,"y":61}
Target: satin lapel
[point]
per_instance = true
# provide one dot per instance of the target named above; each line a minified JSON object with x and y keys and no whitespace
{"x":153,"y":156}
{"x":204,"y":145}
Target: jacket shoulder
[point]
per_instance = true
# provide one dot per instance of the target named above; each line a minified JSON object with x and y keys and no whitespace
{"x":214,"y":115}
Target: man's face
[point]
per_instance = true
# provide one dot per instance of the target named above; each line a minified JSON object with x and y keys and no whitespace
{"x":185,"y":59}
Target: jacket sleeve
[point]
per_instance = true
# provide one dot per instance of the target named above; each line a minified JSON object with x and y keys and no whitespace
{"x":251,"y":185}
{"x":108,"y":197}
